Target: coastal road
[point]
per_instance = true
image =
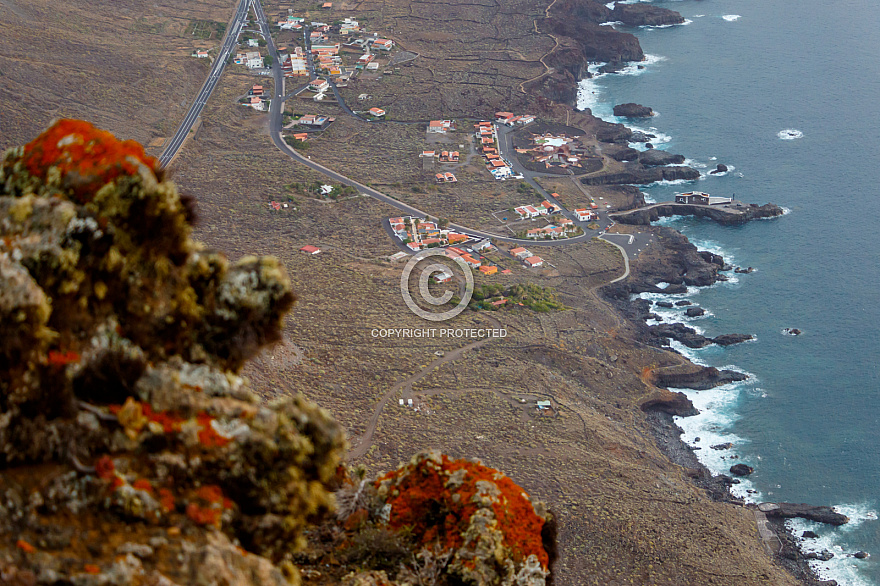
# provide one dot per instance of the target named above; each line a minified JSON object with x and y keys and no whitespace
{"x":195,"y":110}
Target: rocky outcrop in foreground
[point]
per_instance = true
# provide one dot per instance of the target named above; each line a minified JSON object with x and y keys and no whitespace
{"x":640,"y":175}
{"x":131,"y":451}
{"x":820,"y":514}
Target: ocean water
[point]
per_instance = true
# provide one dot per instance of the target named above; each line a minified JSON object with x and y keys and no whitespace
{"x":785,"y":95}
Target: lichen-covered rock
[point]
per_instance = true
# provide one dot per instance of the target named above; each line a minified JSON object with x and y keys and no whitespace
{"x":123,"y":421}
{"x":488,"y":523}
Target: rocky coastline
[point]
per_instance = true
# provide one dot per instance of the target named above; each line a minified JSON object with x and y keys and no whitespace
{"x":727,"y":215}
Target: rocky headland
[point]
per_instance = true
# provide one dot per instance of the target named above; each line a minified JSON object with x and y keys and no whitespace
{"x":729,"y":214}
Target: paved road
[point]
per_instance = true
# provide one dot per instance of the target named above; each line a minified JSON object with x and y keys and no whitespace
{"x":228,"y":45}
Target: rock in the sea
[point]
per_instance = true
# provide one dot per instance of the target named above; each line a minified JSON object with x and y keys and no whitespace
{"x":666,"y":304}
{"x":820,"y":514}
{"x":730,"y":339}
{"x":632,"y":110}
{"x":860,"y":555}
{"x":695,"y":311}
{"x":741,"y":469}
{"x":638,"y":136}
{"x":657,"y":158}
{"x":822,"y":556}
{"x":682,"y":303}
{"x":644,"y":15}
{"x":705,"y":377}
{"x":791,"y":332}
{"x":809,"y":535}
{"x":720,"y":168}
{"x":624,"y":154}
{"x":743,"y":271}
{"x":725,"y":446}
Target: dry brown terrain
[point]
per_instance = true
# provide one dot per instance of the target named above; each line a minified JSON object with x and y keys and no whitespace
{"x":627,"y":515}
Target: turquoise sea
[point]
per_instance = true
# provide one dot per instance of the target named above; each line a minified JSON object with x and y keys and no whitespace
{"x":725,"y":85}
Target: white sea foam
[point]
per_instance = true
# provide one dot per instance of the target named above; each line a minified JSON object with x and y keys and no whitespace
{"x":731,"y":17}
{"x":699,"y":15}
{"x":842,"y":567}
{"x":611,"y":23}
{"x":686,"y":22}
{"x":790,"y":134}
{"x":610,"y":6}
{"x":648,"y":197}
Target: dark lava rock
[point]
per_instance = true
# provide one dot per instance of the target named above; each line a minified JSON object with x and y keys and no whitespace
{"x":730,"y":339}
{"x":721,"y":168}
{"x":824,"y":556}
{"x":695,"y":311}
{"x":682,"y":303}
{"x":632,"y":110}
{"x":741,"y":469}
{"x":613,"y":133}
{"x":715,"y":259}
{"x":666,"y":401}
{"x":656,"y":158}
{"x":638,"y":174}
{"x":725,"y":215}
{"x":726,"y":446}
{"x":743,"y":271}
{"x":642,"y":136}
{"x":821,"y":514}
{"x":810,"y":535}
{"x":706,"y":377}
{"x":860,"y":555}
{"x":681,"y":333}
{"x":727,"y":480}
{"x":645,"y":15}
{"x":649,"y":146}
{"x":625,"y":154}
{"x":666,"y":304}
{"x":791,"y":332}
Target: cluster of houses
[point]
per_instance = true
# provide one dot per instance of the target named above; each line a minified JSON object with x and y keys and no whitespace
{"x":295,"y":64}
{"x":470,"y":255}
{"x":526,"y":257}
{"x":419,"y":234}
{"x":255,"y":98}
{"x":542,"y":209}
{"x":560,"y":150}
{"x":511,"y":119}
{"x":498,"y":167}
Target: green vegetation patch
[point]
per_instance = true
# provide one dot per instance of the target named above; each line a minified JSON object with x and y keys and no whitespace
{"x":530,"y":295}
{"x":205,"y":29}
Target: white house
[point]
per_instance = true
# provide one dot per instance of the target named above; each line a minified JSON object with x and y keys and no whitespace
{"x":384,"y":44}
{"x":253,"y":43}
{"x":202,"y":54}
{"x":585,"y":215}
{"x":443,"y":276}
{"x":253,"y":60}
{"x":482,"y":244}
{"x":319,"y":85}
{"x":534,"y":261}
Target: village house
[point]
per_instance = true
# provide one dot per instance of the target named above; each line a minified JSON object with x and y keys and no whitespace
{"x":257,"y":90}
{"x":202,"y":54}
{"x":551,"y":208}
{"x":374,"y":66}
{"x":443,"y":276}
{"x":256,"y":103}
{"x":429,"y":154}
{"x":527,"y":211}
{"x":520,"y":253}
{"x":455,"y":238}
{"x":415,"y":246}
{"x":319,"y":85}
{"x":566,"y":223}
{"x":489,"y":270}
{"x":584,"y":215}
{"x":253,"y":43}
{"x":450,"y":178}
{"x":503,"y":117}
{"x":470,"y":260}
{"x":253,"y":60}
{"x":316,"y":122}
{"x":377,"y":112}
{"x":440,"y":126}
{"x":534,"y":261}
{"x":384,"y":44}
{"x":482,"y":245}
{"x":487,"y":140}
{"x":327,"y":5}
{"x":309,"y":249}
{"x":449,"y":157}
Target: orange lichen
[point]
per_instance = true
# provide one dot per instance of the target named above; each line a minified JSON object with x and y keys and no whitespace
{"x":419,"y":490}
{"x":203,"y":515}
{"x":25,"y":546}
{"x":208,"y":436}
{"x":56,"y":358}
{"x":211,"y":493}
{"x":143,"y":484}
{"x":166,"y":500}
{"x":86,"y":157}
{"x":91,"y":569}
